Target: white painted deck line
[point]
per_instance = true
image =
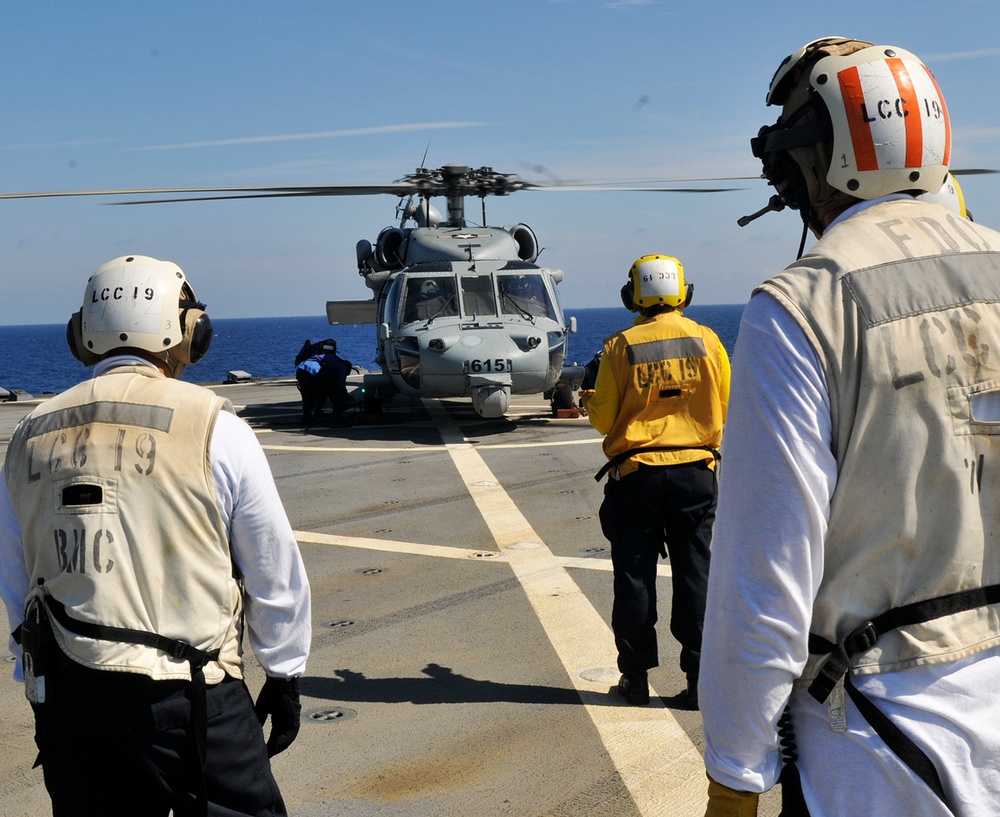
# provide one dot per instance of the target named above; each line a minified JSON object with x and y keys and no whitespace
{"x":657,"y":761}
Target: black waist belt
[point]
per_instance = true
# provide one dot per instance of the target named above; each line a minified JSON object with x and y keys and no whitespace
{"x":175,"y":648}
{"x":618,"y":459}
{"x":838,"y":666}
{"x":171,"y":646}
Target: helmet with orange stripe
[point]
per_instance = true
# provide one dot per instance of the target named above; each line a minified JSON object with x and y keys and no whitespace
{"x":858,"y":121}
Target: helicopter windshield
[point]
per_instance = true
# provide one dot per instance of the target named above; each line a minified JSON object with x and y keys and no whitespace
{"x":429,"y":298}
{"x":477,"y":296}
{"x":524,"y":295}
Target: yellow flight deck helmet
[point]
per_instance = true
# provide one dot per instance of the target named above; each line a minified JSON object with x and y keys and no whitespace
{"x":654,"y":280}
{"x":951,"y":196}
{"x":137,"y":302}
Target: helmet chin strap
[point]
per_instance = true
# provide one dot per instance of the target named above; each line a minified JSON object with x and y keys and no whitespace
{"x":802,"y":241}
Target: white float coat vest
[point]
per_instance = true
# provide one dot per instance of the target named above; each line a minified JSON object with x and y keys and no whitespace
{"x":113,"y":487}
{"x":901,"y":302}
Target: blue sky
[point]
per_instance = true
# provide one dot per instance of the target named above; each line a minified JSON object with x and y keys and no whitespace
{"x":118,"y":94}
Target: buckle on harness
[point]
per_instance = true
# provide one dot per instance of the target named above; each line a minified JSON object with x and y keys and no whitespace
{"x":178,"y":650}
{"x":863,"y":638}
{"x":838,"y":663}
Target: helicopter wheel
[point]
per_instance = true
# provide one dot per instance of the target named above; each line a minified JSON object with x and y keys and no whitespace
{"x":562,"y":399}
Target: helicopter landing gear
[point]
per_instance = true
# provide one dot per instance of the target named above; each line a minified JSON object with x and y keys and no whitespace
{"x":368,"y":406}
{"x":563,"y":404}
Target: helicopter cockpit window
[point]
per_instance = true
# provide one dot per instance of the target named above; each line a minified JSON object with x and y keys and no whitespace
{"x":477,"y":296}
{"x":524,"y":295}
{"x":429,"y":298}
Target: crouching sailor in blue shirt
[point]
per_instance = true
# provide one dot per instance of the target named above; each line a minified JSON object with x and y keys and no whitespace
{"x":321,"y":375}
{"x":140,"y":531}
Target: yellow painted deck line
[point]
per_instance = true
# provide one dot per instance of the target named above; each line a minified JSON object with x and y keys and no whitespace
{"x":341,"y":449}
{"x":655,"y":758}
{"x":357,"y":449}
{"x":445,"y":552}
{"x":388,"y":546}
{"x":548,"y":444}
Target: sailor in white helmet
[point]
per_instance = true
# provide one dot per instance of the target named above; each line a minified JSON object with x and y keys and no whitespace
{"x":140,"y":532}
{"x":852,"y":617}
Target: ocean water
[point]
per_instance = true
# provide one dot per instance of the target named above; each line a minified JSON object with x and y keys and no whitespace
{"x":36,"y":359}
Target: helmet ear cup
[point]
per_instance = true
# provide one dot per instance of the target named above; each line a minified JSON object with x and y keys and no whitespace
{"x":628,"y":295}
{"x":780,"y":169}
{"x":74,"y":339}
{"x":197,"y":330}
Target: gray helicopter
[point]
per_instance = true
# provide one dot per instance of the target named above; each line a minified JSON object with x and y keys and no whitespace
{"x":460,"y":310}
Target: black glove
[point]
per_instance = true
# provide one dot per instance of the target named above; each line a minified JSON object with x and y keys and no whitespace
{"x":279,"y":698}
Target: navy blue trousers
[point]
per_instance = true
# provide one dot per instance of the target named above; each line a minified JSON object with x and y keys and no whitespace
{"x":121,"y":743}
{"x":654,"y":511}
{"x":316,"y":389}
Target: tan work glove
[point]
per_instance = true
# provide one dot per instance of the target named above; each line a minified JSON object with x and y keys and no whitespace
{"x":726,"y":802}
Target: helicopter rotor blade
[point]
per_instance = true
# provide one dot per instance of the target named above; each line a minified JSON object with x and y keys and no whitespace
{"x":450,"y":180}
{"x":396,"y":189}
{"x":601,"y":184}
{"x":644,"y":189}
{"x":262,"y":195}
{"x":400,"y":189}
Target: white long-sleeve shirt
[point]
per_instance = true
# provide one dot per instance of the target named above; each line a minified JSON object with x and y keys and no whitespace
{"x":277,"y":601}
{"x":777,"y":478}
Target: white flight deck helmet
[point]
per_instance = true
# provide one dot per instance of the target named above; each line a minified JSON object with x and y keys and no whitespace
{"x":137,"y":302}
{"x":655,"y":280}
{"x":858,"y":121}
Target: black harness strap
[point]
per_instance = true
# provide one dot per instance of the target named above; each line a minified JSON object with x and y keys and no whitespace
{"x":863,"y":638}
{"x":838,"y":665}
{"x":897,"y":740}
{"x":172,"y":646}
{"x":197,"y":659}
{"x":618,"y":459}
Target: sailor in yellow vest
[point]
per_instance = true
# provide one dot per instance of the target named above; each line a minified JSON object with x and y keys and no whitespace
{"x":660,"y":400}
{"x":856,"y":556}
{"x":140,"y":533}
